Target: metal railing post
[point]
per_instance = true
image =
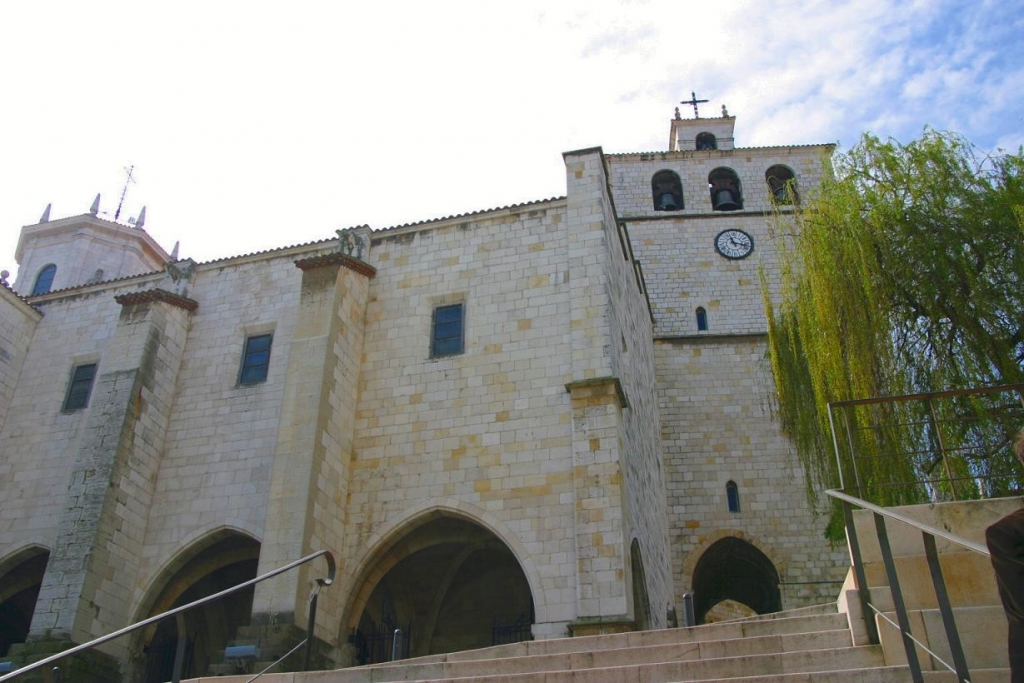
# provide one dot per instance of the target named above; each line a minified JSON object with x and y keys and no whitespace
{"x":897,"y":599}
{"x":396,"y":644}
{"x":688,"y":616}
{"x":863,"y":592}
{"x":945,"y":609}
{"x":942,"y":447}
{"x":179,"y":649}
{"x":311,"y":624}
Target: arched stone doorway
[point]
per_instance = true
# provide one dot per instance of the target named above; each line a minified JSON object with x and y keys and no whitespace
{"x":449,"y":585}
{"x":20,"y":579}
{"x":209,"y":568}
{"x":733,"y":569}
{"x":641,"y":601}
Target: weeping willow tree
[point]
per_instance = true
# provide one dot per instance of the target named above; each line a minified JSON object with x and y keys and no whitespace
{"x":903,"y":275}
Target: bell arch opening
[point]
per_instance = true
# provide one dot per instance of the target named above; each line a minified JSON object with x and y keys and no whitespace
{"x":20,"y":580}
{"x":447,"y":585}
{"x":228,"y":561}
{"x":705,"y":141}
{"x":667,"y":191}
{"x":724,"y":185}
{"x":734,"y":569}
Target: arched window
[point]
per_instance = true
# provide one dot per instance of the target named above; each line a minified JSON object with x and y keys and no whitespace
{"x":732,"y":494}
{"x":667,"y":191}
{"x":44,"y":281}
{"x":706,"y":141}
{"x":702,"y":319}
{"x":724,"y":185}
{"x":782,"y":184}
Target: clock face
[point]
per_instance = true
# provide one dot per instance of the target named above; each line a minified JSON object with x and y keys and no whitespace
{"x":734,"y":244}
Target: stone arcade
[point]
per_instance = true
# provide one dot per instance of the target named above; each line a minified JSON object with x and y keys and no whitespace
{"x":552,"y":415}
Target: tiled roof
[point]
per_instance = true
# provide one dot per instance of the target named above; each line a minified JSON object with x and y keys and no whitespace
{"x":3,"y":283}
{"x":472,"y":213}
{"x":735,"y":149}
{"x":313,"y":243}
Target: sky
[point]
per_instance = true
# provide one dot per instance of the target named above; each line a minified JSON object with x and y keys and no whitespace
{"x":255,"y":125}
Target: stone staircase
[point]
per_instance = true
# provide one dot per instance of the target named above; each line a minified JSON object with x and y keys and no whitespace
{"x":798,"y":646}
{"x":818,"y":644}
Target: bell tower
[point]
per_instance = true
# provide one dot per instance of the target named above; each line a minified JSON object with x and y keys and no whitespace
{"x":698,"y":134}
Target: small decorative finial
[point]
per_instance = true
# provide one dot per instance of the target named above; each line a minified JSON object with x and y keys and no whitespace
{"x":694,"y":101}
{"x":725,"y":112}
{"x":174,"y":252}
{"x":4,"y":274}
{"x":95,"y":208}
{"x":678,"y":117}
{"x":45,"y":218}
{"x":141,"y":220}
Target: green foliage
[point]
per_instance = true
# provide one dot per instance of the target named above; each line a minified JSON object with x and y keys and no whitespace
{"x":902,"y":275}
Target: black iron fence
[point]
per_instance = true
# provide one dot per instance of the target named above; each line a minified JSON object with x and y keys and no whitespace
{"x":516,"y":632}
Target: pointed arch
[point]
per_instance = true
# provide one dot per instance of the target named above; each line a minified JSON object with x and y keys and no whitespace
{"x":21,"y":577}
{"x":448,"y":576}
{"x":216,"y":560}
{"x":734,"y":569}
{"x":191,"y":546}
{"x":392,"y":533}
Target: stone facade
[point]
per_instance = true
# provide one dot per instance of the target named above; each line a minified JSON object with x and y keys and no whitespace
{"x":577,"y":448}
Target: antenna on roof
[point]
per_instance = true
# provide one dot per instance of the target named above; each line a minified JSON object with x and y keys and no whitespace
{"x":129,"y":179}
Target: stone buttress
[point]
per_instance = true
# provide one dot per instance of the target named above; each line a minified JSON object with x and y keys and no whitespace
{"x":89,"y":581}
{"x":310,"y":471}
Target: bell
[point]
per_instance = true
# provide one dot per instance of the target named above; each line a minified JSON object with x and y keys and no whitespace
{"x":724,"y":201}
{"x":667,"y":203}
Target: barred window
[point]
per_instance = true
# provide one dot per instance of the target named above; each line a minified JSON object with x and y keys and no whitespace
{"x":80,"y":387}
{"x":446,"y":337}
{"x":255,"y":359}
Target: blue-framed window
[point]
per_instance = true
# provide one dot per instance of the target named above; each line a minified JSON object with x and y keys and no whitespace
{"x":255,"y":359}
{"x":446,"y":337}
{"x":80,"y":386}
{"x":732,"y":494}
{"x":702,"y":319}
{"x":44,"y":280}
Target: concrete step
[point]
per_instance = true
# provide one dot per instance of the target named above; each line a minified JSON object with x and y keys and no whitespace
{"x":726,"y":630}
{"x":607,"y":658}
{"x":684,"y":670}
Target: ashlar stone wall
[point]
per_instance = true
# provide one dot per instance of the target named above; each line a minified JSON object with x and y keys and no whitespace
{"x":631,"y":351}
{"x":485,"y":433}
{"x":714,"y":399}
{"x":714,"y":388}
{"x":17,"y":324}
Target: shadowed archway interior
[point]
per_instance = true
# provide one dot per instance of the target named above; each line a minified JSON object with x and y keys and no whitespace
{"x":19,"y":588}
{"x":449,"y":585}
{"x":226,"y":563}
{"x":733,"y":569}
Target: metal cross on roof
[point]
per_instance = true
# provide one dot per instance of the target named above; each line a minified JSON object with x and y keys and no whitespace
{"x":694,"y":101}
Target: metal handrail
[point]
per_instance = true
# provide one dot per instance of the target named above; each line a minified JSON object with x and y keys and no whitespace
{"x":929,"y":533}
{"x":177,"y":611}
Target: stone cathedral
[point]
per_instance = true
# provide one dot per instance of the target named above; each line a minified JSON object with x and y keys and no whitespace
{"x":537,"y":421}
